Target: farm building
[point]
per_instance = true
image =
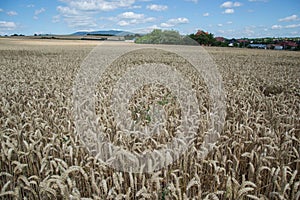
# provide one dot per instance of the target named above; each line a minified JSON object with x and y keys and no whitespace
{"x":257,"y":46}
{"x":278,"y":47}
{"x":220,"y":39}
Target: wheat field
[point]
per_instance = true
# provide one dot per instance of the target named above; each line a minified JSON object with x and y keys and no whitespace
{"x":42,"y":156}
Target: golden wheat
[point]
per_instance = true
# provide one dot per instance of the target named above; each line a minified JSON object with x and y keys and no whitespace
{"x":42,"y":156}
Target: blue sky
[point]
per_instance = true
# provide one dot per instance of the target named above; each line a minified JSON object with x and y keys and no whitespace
{"x":241,"y":18}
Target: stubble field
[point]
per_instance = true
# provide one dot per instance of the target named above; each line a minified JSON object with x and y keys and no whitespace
{"x":42,"y":156}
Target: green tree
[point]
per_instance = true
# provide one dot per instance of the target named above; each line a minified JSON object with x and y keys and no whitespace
{"x":204,"y":38}
{"x":158,"y":36}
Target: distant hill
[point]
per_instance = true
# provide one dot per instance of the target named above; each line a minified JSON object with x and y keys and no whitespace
{"x":110,"y":32}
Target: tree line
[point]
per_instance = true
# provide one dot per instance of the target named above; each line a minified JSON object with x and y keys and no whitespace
{"x":158,"y":36}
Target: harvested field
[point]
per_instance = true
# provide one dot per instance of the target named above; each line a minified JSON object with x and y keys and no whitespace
{"x":42,"y":156}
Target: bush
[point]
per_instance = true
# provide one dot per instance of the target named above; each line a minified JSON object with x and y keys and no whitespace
{"x":158,"y":36}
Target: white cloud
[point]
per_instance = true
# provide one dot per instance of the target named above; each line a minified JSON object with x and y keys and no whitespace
{"x":205,"y":14}
{"x":1,"y":10}
{"x":37,"y":12}
{"x":156,"y":7}
{"x":174,"y":22}
{"x":4,"y":25}
{"x":276,"y":27}
{"x":220,"y":25}
{"x":99,"y":5}
{"x":135,"y":7}
{"x":295,"y":33}
{"x":56,"y":18}
{"x":230,"y":4}
{"x":147,"y":29}
{"x":289,"y":18}
{"x":227,"y":4}
{"x":180,"y":20}
{"x":229,"y":22}
{"x":12,"y":13}
{"x":131,"y":15}
{"x":81,"y":22}
{"x":78,"y":13}
{"x":166,"y":25}
{"x":75,"y":18}
{"x":131,"y":18}
{"x":67,"y":10}
{"x":123,"y":23}
{"x":293,"y":26}
{"x":195,"y":1}
{"x":229,"y":11}
{"x":135,"y":21}
{"x":86,"y":30}
{"x":258,"y":0}
{"x":238,"y":33}
{"x":30,"y":6}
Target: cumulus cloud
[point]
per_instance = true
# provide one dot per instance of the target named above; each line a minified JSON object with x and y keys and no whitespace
{"x":284,"y":27}
{"x":205,"y":14}
{"x":100,"y":5}
{"x":123,"y":23}
{"x":156,"y":7}
{"x":131,"y":15}
{"x":75,"y":18}
{"x":174,"y":22}
{"x":136,"y":21}
{"x":229,"y":11}
{"x":131,"y":18}
{"x":37,"y":12}
{"x":67,"y":11}
{"x":78,"y":13}
{"x":166,"y":25}
{"x":7,"y":26}
{"x":293,"y":26}
{"x":276,"y":27}
{"x":230,"y":4}
{"x":12,"y":13}
{"x":195,"y":1}
{"x":135,"y":7}
{"x":289,"y":18}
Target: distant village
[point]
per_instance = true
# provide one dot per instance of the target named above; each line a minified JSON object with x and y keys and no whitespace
{"x":256,"y":43}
